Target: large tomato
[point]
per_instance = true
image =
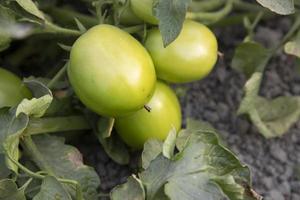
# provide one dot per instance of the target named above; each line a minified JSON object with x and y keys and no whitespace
{"x":111,"y":72}
{"x":165,"y":114}
{"x":190,"y":57}
{"x":12,"y":90}
{"x":143,"y":9}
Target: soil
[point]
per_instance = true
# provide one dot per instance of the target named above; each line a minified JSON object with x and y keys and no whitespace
{"x":275,"y":163}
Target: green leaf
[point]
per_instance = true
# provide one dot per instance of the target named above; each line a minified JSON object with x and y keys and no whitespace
{"x":273,"y":118}
{"x":131,"y":190}
{"x":80,"y":26}
{"x":248,"y":57}
{"x":31,"y":8}
{"x":292,"y":47}
{"x":7,"y":18}
{"x":111,"y":143}
{"x":204,"y":169}
{"x":52,"y":189}
{"x":9,"y":190}
{"x":282,"y":7}
{"x":169,"y":144}
{"x":12,"y":127}
{"x":4,"y":171}
{"x":66,"y":162}
{"x":192,"y":124}
{"x":152,"y":148}
{"x":171,"y":15}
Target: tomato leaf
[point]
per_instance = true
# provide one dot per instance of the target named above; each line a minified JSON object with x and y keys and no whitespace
{"x":248,"y":57}
{"x":169,"y":144}
{"x":171,"y":15}
{"x":7,"y":18}
{"x":10,"y":191}
{"x":66,"y":162}
{"x":272,"y":117}
{"x":282,"y":7}
{"x":292,"y":47}
{"x":132,"y":189}
{"x":152,"y":148}
{"x":13,"y":122}
{"x":52,"y":189}
{"x":31,"y":8}
{"x":203,"y":169}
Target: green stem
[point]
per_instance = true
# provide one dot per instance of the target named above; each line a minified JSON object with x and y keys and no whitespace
{"x":66,"y":16}
{"x":134,"y":29}
{"x":245,"y":6}
{"x":56,"y":124}
{"x":208,"y":5}
{"x":58,"y":76}
{"x":49,"y":27}
{"x":32,"y":150}
{"x":211,"y":17}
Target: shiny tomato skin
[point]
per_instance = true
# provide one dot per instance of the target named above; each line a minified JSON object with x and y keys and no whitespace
{"x":165,"y":114}
{"x":190,"y":57}
{"x":12,"y":89}
{"x":143,"y":9}
{"x":110,"y":71}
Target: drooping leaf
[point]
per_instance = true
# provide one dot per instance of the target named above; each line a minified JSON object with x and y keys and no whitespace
{"x":4,"y":171}
{"x":169,"y":144}
{"x":133,"y":189}
{"x":31,"y":8}
{"x":52,"y":189}
{"x":248,"y":57}
{"x":152,"y":148}
{"x":10,"y":191}
{"x":282,"y":7}
{"x":66,"y":162}
{"x":202,"y":170}
{"x":111,"y":143}
{"x":171,"y":15}
{"x":7,"y":19}
{"x":12,"y":127}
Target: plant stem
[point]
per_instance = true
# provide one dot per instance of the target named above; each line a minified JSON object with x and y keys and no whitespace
{"x":58,"y":76}
{"x":56,"y":124}
{"x":66,"y":16}
{"x":209,"y":5}
{"x":134,"y":29}
{"x":211,"y":17}
{"x":49,"y":27}
{"x":245,"y":6}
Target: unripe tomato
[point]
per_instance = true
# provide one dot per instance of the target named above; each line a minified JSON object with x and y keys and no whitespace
{"x":137,"y":128}
{"x":12,"y":90}
{"x":110,"y":71}
{"x":127,"y":17}
{"x":190,"y":57}
{"x":143,"y":9}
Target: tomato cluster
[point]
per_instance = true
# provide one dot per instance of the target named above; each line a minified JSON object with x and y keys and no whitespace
{"x":114,"y":75}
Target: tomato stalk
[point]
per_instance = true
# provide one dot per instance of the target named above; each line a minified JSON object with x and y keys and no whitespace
{"x":210,"y":5}
{"x":211,"y":17}
{"x":56,"y":124}
{"x":58,"y":76}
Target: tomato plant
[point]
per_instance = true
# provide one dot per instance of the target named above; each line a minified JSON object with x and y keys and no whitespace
{"x":190,"y":57}
{"x":110,"y":69}
{"x":143,"y":125}
{"x":111,"y":72}
{"x":12,"y":90}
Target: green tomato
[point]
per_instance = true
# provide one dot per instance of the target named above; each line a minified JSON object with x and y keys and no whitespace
{"x":143,"y":9}
{"x":165,"y":114}
{"x":111,"y":72}
{"x":190,"y":57}
{"x":12,"y":89}
{"x":127,"y":17}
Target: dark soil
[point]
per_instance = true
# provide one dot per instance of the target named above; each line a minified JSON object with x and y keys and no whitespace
{"x":274,"y":163}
